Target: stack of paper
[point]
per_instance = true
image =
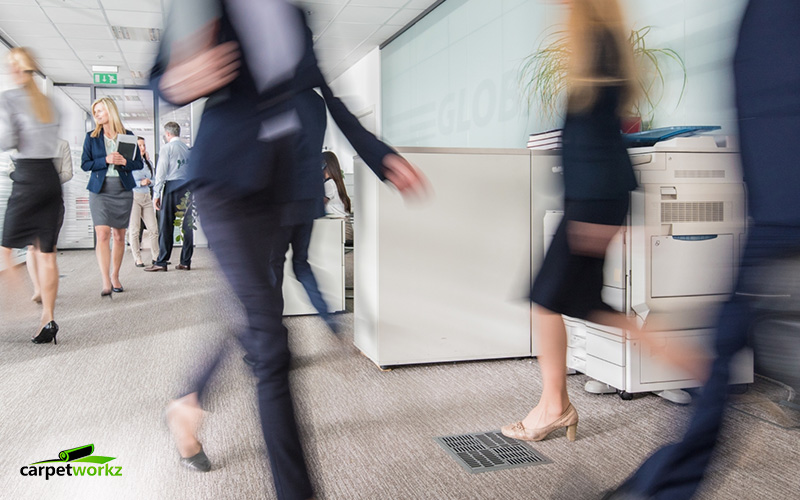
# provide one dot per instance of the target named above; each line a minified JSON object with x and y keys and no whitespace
{"x":550,"y":139}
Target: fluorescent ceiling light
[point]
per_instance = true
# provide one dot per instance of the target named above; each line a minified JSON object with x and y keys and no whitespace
{"x":105,"y":69}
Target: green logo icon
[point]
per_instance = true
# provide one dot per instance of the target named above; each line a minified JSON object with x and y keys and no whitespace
{"x":66,"y":460}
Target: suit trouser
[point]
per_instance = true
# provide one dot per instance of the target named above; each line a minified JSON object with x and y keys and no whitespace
{"x":143,"y":210}
{"x":166,"y":220}
{"x":239,"y":232}
{"x":675,"y":471}
{"x":299,"y":236}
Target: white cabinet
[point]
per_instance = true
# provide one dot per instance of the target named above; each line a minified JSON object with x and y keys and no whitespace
{"x":448,"y":279}
{"x":326,"y":257}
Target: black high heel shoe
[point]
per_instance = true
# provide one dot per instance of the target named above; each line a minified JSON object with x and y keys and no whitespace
{"x":48,"y":333}
{"x":105,"y":293}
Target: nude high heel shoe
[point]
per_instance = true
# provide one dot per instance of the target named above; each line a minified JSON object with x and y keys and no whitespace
{"x":568,"y":419}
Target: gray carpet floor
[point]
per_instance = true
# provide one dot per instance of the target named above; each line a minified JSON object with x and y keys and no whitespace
{"x":368,"y":434}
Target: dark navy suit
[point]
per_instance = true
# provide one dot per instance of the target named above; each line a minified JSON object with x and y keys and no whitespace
{"x":93,"y":160}
{"x":247,"y":191}
{"x":767,"y":77}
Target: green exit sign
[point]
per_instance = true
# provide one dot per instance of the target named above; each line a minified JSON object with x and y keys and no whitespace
{"x":105,"y":78}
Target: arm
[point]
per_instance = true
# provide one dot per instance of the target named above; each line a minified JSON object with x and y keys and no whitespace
{"x":330,"y":191}
{"x":89,"y":162}
{"x":161,"y":172}
{"x":136,"y":163}
{"x":65,"y":172}
{"x":387,"y":164}
{"x":8,"y":132}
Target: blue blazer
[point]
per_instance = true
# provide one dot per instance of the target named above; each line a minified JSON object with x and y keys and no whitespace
{"x":94,"y":160}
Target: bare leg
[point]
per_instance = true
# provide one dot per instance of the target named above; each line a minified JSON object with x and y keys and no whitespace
{"x":183,"y":418}
{"x":553,"y":362}
{"x":118,"y":253}
{"x":12,"y":307}
{"x":30,"y":262}
{"x":103,"y":252}
{"x":47,"y":268}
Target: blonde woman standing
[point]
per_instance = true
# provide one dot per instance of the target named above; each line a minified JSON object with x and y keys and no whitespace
{"x":29,"y":124}
{"x":110,"y":189}
{"x":598,"y":177}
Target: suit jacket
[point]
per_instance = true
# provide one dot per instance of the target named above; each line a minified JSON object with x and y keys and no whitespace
{"x":93,"y":160}
{"x":767,"y":76}
{"x":228,"y":156}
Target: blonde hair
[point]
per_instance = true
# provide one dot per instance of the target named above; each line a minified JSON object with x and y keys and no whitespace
{"x":587,"y":20}
{"x":22,"y":59}
{"x":114,"y":123}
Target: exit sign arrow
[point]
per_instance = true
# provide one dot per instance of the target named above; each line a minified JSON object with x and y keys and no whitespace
{"x":105,"y":78}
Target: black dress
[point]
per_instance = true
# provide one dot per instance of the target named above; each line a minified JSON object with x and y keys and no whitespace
{"x":35,"y":207}
{"x":598,"y":177}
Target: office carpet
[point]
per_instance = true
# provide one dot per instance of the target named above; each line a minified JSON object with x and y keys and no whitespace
{"x":368,"y":434}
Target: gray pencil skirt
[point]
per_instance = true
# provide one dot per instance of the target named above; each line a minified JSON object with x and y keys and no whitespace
{"x":112,"y":205}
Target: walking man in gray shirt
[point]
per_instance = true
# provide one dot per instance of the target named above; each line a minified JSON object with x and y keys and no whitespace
{"x":169,"y":191}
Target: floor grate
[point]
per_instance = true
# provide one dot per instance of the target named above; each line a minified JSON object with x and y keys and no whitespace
{"x":490,"y":451}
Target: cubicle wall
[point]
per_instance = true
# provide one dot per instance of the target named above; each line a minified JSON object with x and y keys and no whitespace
{"x":326,"y":257}
{"x":448,"y":278}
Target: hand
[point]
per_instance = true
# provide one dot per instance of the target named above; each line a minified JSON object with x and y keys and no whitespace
{"x":157,"y":203}
{"x":405,"y":177}
{"x":146,"y":182}
{"x":199,"y":67}
{"x":116,"y":159}
{"x":588,"y":239}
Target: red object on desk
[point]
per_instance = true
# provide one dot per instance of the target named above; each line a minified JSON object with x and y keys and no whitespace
{"x":631,"y":124}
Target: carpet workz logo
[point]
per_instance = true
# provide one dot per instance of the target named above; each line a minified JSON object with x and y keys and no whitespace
{"x":67,"y":464}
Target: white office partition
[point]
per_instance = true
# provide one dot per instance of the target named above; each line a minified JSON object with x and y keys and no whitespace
{"x":326,"y":257}
{"x":446,"y":279}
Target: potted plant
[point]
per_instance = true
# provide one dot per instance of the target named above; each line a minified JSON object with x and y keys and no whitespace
{"x":543,"y":74}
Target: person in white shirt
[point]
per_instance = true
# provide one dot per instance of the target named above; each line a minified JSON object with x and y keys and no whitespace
{"x":337,"y":203}
{"x":336,"y":200}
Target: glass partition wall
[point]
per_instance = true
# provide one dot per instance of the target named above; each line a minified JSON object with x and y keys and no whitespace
{"x":140,"y":112}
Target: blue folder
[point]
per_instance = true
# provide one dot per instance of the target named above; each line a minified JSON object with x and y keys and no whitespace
{"x":650,"y":137}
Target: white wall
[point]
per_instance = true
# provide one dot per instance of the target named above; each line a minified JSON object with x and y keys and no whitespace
{"x":452,"y":79}
{"x":360,"y":89}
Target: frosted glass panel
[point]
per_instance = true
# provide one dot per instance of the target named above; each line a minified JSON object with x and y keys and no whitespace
{"x":452,"y":80}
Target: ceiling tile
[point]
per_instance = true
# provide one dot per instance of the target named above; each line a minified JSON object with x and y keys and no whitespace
{"x":75,"y":16}
{"x":403,"y":17}
{"x":135,"y":19}
{"x":100,"y":57}
{"x":71,"y":4}
{"x":41,"y":44}
{"x":315,"y":12}
{"x":379,"y":3}
{"x":365,"y":15}
{"x":420,"y":4}
{"x":30,"y":13}
{"x":44,"y":29}
{"x":85,"y":32}
{"x":350,"y":30}
{"x":131,"y":5}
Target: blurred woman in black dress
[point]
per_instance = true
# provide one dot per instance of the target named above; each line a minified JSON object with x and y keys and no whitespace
{"x":29,"y":124}
{"x":598,"y":177}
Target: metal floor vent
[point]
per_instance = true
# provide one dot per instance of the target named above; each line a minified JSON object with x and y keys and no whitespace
{"x":490,"y":451}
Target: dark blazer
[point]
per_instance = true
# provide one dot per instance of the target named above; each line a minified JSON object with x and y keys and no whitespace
{"x":233,"y":116}
{"x":767,"y":75}
{"x":596,"y":162}
{"x":93,"y":160}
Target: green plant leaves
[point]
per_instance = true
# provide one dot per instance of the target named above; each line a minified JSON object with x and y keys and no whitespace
{"x":543,"y":74}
